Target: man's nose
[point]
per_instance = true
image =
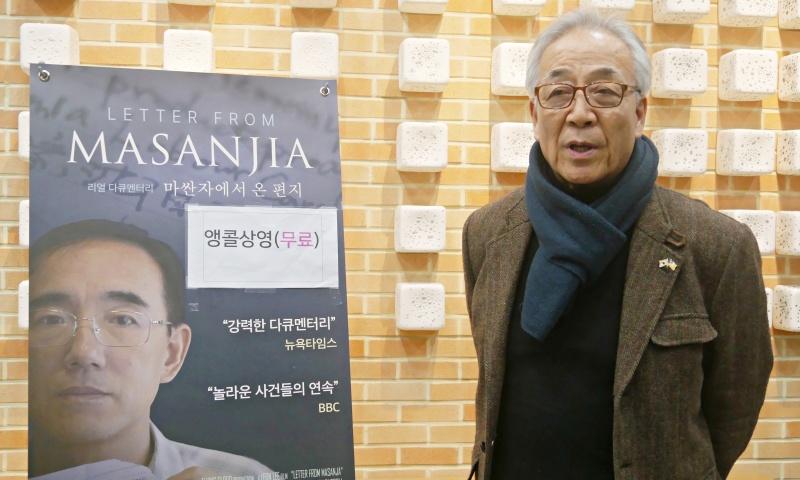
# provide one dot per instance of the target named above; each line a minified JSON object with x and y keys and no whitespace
{"x":581,"y":114}
{"x":84,"y":348}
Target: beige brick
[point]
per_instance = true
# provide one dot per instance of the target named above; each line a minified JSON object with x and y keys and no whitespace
{"x":777,"y":449}
{"x":110,"y":10}
{"x":384,"y":21}
{"x":455,"y":473}
{"x":244,"y":15}
{"x":454,"y":347}
{"x":375,"y":456}
{"x":397,"y":391}
{"x":51,"y":8}
{"x":375,"y":412}
{"x":372,"y":326}
{"x":13,"y":393}
{"x":16,"y":370}
{"x":16,"y":416}
{"x":431,"y":412}
{"x":243,"y":59}
{"x":373,"y":369}
{"x":13,"y":348}
{"x":270,"y":38}
{"x":110,"y":55}
{"x":428,"y":456}
{"x":92,"y":31}
{"x":396,"y":434}
{"x":14,"y":256}
{"x":453,"y":391}
{"x":138,"y":33}
{"x":17,"y":461}
{"x":13,"y":438}
{"x":780,"y":409}
{"x":429,"y":369}
{"x":15,"y":187}
{"x":452,"y":433}
{"x":398,"y":347}
{"x":396,"y":473}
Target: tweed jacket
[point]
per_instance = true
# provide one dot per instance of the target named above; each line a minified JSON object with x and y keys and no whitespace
{"x":694,"y":352}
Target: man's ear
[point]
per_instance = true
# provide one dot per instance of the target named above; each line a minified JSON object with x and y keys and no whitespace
{"x":177,"y":347}
{"x":532,"y":109}
{"x":641,"y":113}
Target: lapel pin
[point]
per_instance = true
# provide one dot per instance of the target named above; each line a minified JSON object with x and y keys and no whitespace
{"x":667,"y":264}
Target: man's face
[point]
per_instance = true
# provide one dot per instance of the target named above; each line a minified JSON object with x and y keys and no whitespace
{"x":585,"y":145}
{"x":83,"y":391}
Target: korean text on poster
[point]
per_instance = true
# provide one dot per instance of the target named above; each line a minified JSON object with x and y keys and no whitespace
{"x":262,"y":247}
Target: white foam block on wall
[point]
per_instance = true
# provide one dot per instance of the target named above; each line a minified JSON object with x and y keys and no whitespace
{"x":768,"y":291}
{"x":24,"y":222}
{"x":24,"y":134}
{"x":683,"y":152}
{"x":789,"y":78}
{"x":421,"y":146}
{"x":22,"y":304}
{"x":517,"y":8}
{"x":509,"y":62}
{"x":745,"y":152}
{"x":679,"y":73}
{"x":315,"y":55}
{"x":761,"y":223}
{"x":610,"y":6}
{"x":680,"y":11}
{"x":786,"y":308}
{"x":419,"y":228}
{"x":188,"y":50}
{"x":787,"y":233}
{"x":746,"y":13}
{"x":748,"y":74}
{"x":419,"y":306}
{"x":789,"y":14}
{"x":422,"y":6}
{"x":789,"y":152}
{"x":47,"y":43}
{"x":424,"y":64}
{"x":511,"y":146}
{"x":312,"y":3}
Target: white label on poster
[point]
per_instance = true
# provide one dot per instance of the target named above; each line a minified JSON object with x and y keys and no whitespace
{"x":262,"y":247}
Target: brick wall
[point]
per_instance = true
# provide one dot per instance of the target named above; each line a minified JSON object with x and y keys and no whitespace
{"x":412,"y":392}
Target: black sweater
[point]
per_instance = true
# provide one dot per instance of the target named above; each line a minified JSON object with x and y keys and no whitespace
{"x":556,"y":407}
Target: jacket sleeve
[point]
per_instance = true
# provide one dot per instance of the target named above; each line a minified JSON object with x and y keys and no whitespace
{"x":738,"y":363}
{"x":469,"y":284}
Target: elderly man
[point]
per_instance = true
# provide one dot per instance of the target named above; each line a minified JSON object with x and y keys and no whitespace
{"x":621,"y":328}
{"x":106,"y":329}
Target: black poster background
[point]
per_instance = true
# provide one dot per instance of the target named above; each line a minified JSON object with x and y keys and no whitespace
{"x":283,"y":433}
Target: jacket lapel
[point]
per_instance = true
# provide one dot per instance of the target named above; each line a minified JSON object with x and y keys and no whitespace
{"x":503,"y":262}
{"x":647,"y":287}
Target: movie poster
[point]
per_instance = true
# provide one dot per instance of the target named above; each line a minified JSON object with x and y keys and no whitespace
{"x":188,"y":313}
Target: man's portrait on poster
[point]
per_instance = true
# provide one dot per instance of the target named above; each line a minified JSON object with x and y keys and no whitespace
{"x":107,"y":327}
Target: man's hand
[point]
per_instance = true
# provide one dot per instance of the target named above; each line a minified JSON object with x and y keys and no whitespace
{"x":196,"y":473}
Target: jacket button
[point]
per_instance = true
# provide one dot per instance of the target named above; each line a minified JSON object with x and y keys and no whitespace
{"x":483,"y":446}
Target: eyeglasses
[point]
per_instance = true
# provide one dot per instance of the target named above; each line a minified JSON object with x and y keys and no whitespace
{"x":114,"y":328}
{"x":597,"y":94}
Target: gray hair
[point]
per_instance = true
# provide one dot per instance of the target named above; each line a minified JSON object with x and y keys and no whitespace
{"x":592,"y":20}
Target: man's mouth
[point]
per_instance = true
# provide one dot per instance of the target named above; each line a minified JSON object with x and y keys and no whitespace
{"x":82,"y":392}
{"x":581,"y":147}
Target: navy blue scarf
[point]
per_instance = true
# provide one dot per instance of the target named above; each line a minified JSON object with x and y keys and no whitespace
{"x":577,"y":241}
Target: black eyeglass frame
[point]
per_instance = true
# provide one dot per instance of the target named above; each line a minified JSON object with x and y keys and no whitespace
{"x":575,"y":88}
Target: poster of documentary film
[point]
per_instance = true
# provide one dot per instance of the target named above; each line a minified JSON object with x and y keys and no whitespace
{"x":188,"y":305}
